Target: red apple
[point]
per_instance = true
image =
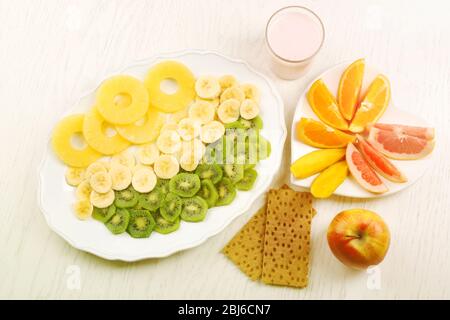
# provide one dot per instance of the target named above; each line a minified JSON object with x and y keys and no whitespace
{"x":358,"y":238}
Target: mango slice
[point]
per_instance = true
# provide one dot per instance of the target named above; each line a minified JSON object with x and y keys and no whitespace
{"x":329,"y":180}
{"x":315,"y":162}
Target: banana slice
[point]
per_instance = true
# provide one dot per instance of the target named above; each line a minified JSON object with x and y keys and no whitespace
{"x":102,"y":200}
{"x":120,"y":176}
{"x":203,"y":111}
{"x":93,"y":169}
{"x":249,"y":109}
{"x":84,"y":190}
{"x":83,"y":209}
{"x":169,"y":141}
{"x":105,"y":164}
{"x":101,"y":182}
{"x":189,"y":161}
{"x":251,"y":92}
{"x":227,"y":81}
{"x":228,"y":111}
{"x":194,"y":147}
{"x":212,"y":132}
{"x":124,"y":158}
{"x":147,"y":153}
{"x":144,"y":180}
{"x":166,"y":166}
{"x":189,"y":128}
{"x":74,"y":176}
{"x":234,"y":92}
{"x":207,"y":87}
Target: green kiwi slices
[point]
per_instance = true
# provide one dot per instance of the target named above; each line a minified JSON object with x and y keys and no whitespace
{"x":185,"y":184}
{"x":211,"y":172}
{"x":194,"y":209}
{"x":141,"y":223}
{"x":226,"y":191}
{"x":127,"y":198}
{"x":118,"y":222}
{"x":208,"y":192}
{"x":247,"y":182}
{"x":103,"y":214}
{"x":171,"y":207}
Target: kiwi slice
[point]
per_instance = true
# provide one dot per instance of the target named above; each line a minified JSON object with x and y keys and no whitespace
{"x":248,"y":181}
{"x":152,"y":200}
{"x":185,"y":184}
{"x":234,"y":172}
{"x":141,"y":223}
{"x":234,"y":125}
{"x":264,"y":148}
{"x":226,"y":191}
{"x":163,"y":185}
{"x":194,"y":209}
{"x":171,"y":207}
{"x":127,"y":198}
{"x":164,"y":226}
{"x":118,"y":222}
{"x":103,"y":214}
{"x":255,"y":123}
{"x":211,"y":172}
{"x":208,"y":192}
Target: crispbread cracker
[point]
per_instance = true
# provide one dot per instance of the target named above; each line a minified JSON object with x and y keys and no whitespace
{"x":246,"y":247}
{"x":287,"y":238}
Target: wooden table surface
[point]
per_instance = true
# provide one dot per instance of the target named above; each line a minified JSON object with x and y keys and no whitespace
{"x":53,"y":50}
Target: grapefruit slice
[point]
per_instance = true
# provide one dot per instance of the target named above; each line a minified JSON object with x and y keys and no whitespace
{"x":399,"y":145}
{"x":373,"y":105}
{"x":349,"y":88}
{"x":362,"y":172}
{"x":378,"y":161}
{"x":419,"y":132}
{"x":319,"y":135}
{"x":325,"y":106}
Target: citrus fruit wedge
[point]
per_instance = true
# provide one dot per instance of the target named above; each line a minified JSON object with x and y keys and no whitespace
{"x":317,"y":134}
{"x":419,"y":132}
{"x":349,"y":88}
{"x":373,"y":105}
{"x":329,"y":180}
{"x":315,"y":162}
{"x":399,"y":145}
{"x":379,"y":162}
{"x":325,"y":106}
{"x":362,"y":172}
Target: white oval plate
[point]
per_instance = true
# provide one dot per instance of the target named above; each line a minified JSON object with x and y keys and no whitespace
{"x":413,"y":169}
{"x":56,"y":197}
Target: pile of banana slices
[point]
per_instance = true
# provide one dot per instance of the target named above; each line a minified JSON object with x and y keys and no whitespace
{"x":181,"y":143}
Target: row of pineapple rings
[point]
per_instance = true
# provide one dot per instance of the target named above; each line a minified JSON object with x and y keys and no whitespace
{"x":144,"y":102}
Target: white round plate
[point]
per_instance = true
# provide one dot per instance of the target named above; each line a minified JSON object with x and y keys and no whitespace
{"x":56,"y":197}
{"x":413,"y":169}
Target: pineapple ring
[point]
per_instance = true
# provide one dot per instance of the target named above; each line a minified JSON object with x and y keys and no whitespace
{"x":175,"y":71}
{"x":145,"y":133}
{"x":62,"y":145}
{"x":96,"y":137}
{"x":122,"y":86}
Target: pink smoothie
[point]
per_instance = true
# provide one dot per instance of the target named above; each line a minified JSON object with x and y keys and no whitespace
{"x":295,"y":35}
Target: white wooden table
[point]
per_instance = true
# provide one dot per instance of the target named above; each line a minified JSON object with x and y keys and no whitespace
{"x":53,"y":50}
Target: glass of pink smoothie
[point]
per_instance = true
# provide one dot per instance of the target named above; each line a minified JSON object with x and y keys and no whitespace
{"x":294,"y":36}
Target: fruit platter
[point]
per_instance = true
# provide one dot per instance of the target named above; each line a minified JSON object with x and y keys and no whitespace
{"x":349,"y":139}
{"x":162,"y":155}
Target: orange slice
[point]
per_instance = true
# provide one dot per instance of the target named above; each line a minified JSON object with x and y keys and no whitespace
{"x":317,"y":134}
{"x":349,"y":88}
{"x":325,"y":106}
{"x":373,"y":105}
